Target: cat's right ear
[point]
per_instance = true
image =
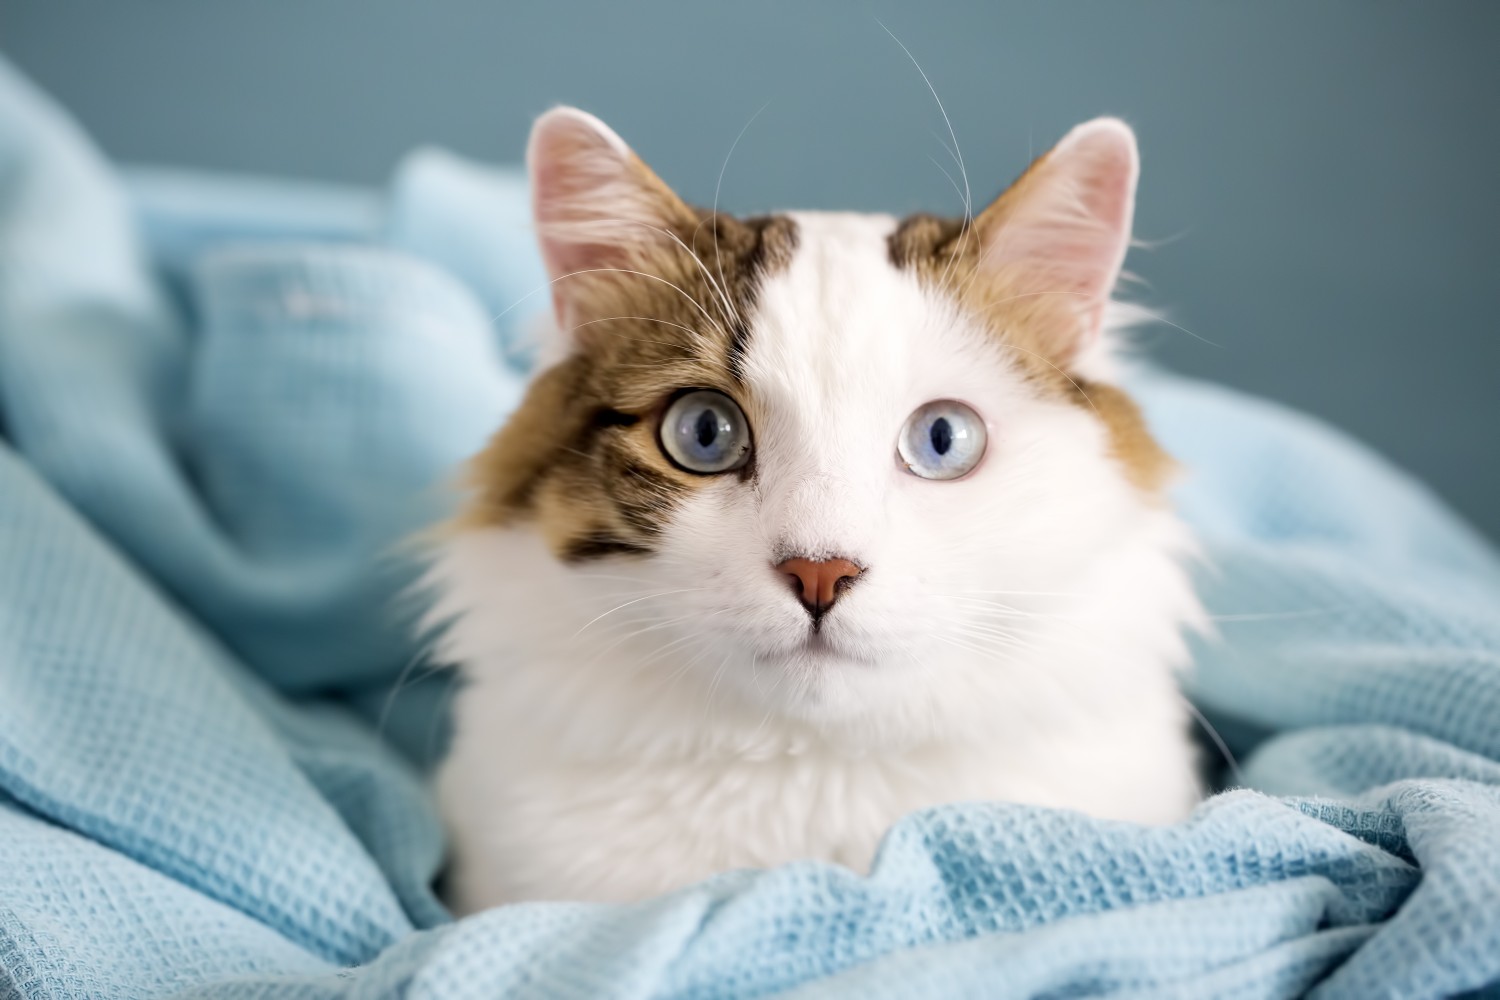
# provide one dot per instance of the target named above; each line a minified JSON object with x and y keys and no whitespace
{"x":597,"y":208}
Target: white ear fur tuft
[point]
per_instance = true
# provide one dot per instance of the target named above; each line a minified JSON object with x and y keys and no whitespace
{"x":1066,"y":223}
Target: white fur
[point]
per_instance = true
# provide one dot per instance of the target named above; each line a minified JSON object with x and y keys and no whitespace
{"x":636,"y":724}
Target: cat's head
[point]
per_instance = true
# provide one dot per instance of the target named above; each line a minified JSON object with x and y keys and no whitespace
{"x":818,"y":457}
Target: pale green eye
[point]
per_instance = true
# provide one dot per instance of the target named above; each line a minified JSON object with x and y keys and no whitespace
{"x":706,"y":432}
{"x":943,"y":439}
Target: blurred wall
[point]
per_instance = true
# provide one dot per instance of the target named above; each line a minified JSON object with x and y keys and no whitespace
{"x":1320,"y":178}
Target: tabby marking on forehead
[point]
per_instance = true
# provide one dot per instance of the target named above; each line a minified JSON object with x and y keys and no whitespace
{"x":947,"y":255}
{"x":579,"y":457}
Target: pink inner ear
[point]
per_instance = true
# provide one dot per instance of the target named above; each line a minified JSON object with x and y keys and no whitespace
{"x":592,"y":200}
{"x":1070,"y":228}
{"x":576,"y":165}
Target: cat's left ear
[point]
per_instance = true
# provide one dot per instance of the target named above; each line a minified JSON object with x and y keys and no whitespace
{"x":1061,"y":230}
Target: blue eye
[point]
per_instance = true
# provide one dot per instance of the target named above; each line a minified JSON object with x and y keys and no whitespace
{"x":706,"y":431}
{"x":943,"y":439}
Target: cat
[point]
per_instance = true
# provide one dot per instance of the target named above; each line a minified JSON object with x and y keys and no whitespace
{"x":810,"y":520}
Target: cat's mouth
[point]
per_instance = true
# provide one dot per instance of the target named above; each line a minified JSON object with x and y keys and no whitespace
{"x":819,"y":647}
{"x":816,"y":642}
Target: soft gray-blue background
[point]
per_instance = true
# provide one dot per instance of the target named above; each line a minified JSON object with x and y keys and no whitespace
{"x":1322,"y":179}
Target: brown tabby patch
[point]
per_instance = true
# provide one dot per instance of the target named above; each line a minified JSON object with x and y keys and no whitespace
{"x":947,"y":254}
{"x":579,"y":457}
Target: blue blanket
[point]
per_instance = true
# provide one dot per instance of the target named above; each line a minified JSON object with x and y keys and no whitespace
{"x":222,"y":403}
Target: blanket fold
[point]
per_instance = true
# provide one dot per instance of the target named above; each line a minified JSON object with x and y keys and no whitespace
{"x":225,"y":402}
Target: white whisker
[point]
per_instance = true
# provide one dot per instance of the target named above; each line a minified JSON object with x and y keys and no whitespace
{"x":1218,"y":741}
{"x":719,"y":184}
{"x":956,"y":152}
{"x":664,"y":593}
{"x":616,"y":270}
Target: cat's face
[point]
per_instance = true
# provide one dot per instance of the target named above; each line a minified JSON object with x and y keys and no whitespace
{"x":819,"y":458}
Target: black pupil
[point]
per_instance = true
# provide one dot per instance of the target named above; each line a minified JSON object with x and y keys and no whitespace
{"x":706,"y":428}
{"x":941,"y":435}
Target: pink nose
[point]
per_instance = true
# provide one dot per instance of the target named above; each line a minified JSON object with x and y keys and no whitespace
{"x":818,"y":582}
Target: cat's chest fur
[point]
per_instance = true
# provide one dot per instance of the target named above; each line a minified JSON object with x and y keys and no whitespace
{"x":624,"y":830}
